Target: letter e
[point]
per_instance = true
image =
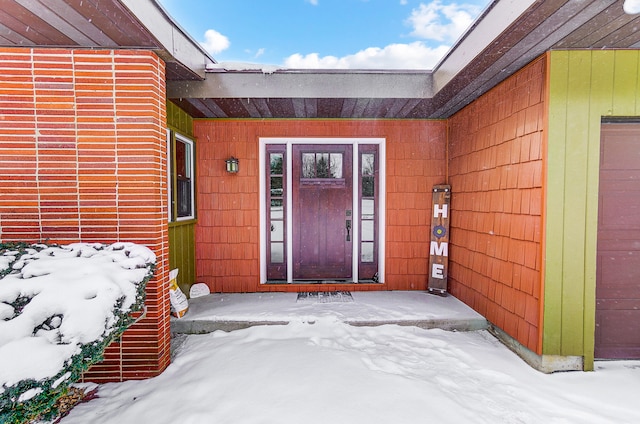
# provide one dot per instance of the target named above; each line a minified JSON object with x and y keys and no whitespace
{"x":437,"y":271}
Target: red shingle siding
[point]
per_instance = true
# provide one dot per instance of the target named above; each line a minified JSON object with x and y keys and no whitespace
{"x":227,"y":234}
{"x":83,"y":158}
{"x":495,"y":170}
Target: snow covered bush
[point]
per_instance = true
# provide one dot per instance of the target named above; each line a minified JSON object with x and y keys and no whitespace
{"x":60,"y":307}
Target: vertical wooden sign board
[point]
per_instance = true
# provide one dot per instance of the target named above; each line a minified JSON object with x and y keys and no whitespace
{"x":439,"y":247}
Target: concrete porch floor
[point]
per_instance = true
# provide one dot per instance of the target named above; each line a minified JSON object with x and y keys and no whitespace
{"x":230,"y":312}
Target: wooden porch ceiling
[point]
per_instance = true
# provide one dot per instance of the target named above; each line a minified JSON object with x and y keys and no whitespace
{"x":507,"y":36}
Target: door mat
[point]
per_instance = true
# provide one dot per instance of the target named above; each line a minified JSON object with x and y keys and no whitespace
{"x":325,"y":297}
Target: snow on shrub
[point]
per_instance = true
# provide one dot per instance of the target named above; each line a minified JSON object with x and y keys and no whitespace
{"x":60,"y":307}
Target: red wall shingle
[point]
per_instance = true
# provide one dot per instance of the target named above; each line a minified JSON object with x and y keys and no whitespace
{"x":495,"y":172}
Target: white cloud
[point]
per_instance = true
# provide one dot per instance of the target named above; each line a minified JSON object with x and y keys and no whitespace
{"x":632,"y":6}
{"x":215,"y":42}
{"x":313,"y":2}
{"x":442,"y":22}
{"x":416,"y":55}
{"x":403,"y":2}
{"x":255,"y":54}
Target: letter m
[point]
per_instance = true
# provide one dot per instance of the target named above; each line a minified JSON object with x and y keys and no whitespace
{"x":439,"y":249}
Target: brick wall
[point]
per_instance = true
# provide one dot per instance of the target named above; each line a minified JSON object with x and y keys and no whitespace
{"x":495,"y":168}
{"x":83,"y":158}
{"x":227,"y":234}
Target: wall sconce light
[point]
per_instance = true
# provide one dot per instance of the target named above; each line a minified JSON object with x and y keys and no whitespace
{"x":233,"y":165}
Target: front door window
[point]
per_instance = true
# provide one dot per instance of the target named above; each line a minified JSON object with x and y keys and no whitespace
{"x":321,"y":165}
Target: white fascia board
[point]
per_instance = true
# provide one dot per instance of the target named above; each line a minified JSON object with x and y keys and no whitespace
{"x":307,"y":84}
{"x":173,"y":38}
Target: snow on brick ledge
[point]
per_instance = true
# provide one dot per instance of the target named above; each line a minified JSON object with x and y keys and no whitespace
{"x":60,"y":307}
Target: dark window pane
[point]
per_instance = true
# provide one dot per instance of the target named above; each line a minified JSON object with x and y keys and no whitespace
{"x":276,"y":160}
{"x":184,"y":197}
{"x":276,"y":186}
{"x":322,"y":165}
{"x":182,"y":159}
{"x":368,"y":186}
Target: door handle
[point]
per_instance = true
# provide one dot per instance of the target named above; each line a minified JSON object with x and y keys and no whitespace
{"x":348,"y":230}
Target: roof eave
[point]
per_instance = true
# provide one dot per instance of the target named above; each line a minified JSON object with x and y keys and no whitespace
{"x":177,"y":45}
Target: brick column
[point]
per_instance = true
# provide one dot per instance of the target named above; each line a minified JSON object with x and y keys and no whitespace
{"x":83,"y":158}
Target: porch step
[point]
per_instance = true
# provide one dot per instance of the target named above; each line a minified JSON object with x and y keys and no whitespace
{"x":229,"y":312}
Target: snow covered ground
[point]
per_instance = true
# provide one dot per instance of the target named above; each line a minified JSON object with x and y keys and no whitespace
{"x":332,"y":372}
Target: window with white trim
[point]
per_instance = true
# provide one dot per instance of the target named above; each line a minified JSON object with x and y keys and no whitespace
{"x":182,"y":177}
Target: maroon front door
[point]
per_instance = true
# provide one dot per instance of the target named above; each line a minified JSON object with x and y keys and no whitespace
{"x":322,"y":195}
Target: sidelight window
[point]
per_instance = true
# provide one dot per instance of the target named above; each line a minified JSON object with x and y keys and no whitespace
{"x":276,"y":219}
{"x":368,"y":212}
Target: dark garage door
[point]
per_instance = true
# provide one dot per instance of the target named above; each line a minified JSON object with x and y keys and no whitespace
{"x":618,"y":266}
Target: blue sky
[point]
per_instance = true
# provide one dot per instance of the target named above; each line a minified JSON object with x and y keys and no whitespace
{"x":347,"y":34}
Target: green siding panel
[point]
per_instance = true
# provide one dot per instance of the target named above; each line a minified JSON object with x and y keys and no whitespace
{"x":625,"y":82}
{"x":182,"y":245}
{"x":584,"y":86}
{"x":552,"y":331}
{"x":182,"y":253}
{"x":179,"y":120}
{"x":576,"y":137}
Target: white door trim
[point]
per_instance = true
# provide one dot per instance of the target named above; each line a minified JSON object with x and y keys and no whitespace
{"x":355,"y":142}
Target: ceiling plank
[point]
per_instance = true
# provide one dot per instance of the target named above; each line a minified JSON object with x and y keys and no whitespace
{"x":11,"y":37}
{"x":281,"y":107}
{"x":311,"y":107}
{"x":77,"y":23}
{"x":263,"y":108}
{"x":56,"y":20}
{"x":233,"y":108}
{"x":348,"y":108}
{"x":626,"y":32}
{"x":405,"y":110}
{"x":252,"y":108}
{"x":330,"y":108}
{"x":115,"y":21}
{"x":30,"y":26}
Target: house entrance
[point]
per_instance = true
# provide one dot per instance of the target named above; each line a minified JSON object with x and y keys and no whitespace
{"x":321,"y":210}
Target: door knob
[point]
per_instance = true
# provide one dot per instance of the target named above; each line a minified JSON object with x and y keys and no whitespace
{"x":348,"y":230}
